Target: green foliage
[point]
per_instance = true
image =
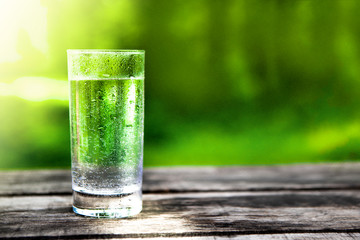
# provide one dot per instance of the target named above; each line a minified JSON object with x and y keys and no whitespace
{"x":227,"y":82}
{"x":33,"y":134}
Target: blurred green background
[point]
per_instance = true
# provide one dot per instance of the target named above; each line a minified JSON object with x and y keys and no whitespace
{"x":227,"y":81}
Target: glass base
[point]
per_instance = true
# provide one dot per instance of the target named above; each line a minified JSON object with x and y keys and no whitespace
{"x":107,"y":206}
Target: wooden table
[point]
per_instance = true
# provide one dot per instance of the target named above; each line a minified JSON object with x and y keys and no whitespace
{"x":273,"y":202}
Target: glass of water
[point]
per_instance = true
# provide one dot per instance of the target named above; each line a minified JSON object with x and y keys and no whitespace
{"x":107,"y":129}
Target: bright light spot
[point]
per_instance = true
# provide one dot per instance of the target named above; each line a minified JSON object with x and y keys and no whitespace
{"x":36,"y":89}
{"x":328,"y":138}
{"x":16,"y":15}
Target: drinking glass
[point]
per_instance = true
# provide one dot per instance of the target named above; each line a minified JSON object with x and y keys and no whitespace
{"x":107,"y":129}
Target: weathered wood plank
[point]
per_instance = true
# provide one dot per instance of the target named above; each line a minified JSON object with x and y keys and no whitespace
{"x":186,"y":179}
{"x":35,"y":182}
{"x":291,"y":236}
{"x":189,"y":214}
{"x":287,"y":177}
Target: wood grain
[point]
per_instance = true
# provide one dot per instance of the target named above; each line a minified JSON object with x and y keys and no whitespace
{"x":204,"y":179}
{"x":286,"y":236}
{"x":278,"y":202}
{"x":190,"y":214}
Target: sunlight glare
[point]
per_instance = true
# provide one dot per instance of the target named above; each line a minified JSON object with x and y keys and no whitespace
{"x":36,"y":89}
{"x":16,"y":15}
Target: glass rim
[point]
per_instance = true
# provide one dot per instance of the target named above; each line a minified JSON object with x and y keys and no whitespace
{"x":129,"y":51}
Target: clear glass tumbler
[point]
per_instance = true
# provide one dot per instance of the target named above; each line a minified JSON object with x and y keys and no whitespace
{"x":107,"y":128}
